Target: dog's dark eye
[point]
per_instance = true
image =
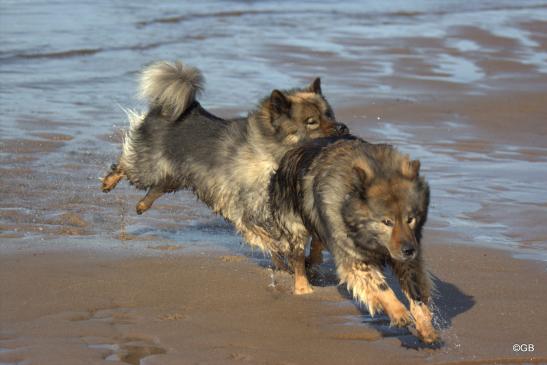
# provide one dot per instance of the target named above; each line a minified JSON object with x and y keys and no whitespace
{"x":388,"y":222}
{"x":411,"y":220}
{"x":311,"y":121}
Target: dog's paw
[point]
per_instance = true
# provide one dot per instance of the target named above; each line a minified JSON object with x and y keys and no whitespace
{"x":400,"y":319}
{"x":141,"y":208}
{"x":110,"y":181}
{"x":105,"y":187}
{"x":301,"y":289}
{"x":428,"y":336}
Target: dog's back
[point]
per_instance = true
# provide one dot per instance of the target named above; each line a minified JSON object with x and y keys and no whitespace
{"x":287,"y":188}
{"x":192,"y":136}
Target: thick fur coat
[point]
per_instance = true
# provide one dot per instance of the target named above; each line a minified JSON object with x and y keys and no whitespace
{"x":227,"y":163}
{"x":368,"y":204}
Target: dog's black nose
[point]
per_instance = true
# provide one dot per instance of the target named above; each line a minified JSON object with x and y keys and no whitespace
{"x":342,"y":129}
{"x":408,"y":250}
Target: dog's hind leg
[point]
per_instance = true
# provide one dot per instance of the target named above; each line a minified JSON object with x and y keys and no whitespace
{"x":301,"y":283}
{"x":416,"y":285}
{"x":257,"y":237}
{"x":316,"y":252}
{"x":145,"y":203}
{"x":278,"y":259}
{"x":113,"y":178}
{"x":369,"y":286}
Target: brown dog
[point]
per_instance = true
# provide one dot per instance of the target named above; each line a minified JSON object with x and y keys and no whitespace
{"x":368,"y":204}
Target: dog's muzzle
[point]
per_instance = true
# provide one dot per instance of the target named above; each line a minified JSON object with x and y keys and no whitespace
{"x":341,"y":129}
{"x":408,"y":251}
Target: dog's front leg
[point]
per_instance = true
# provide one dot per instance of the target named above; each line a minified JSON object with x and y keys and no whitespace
{"x":416,"y":285}
{"x":301,"y":283}
{"x":369,"y":286}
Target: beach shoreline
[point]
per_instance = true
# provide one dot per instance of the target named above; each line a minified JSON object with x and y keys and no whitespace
{"x":85,"y":280}
{"x":97,"y":282}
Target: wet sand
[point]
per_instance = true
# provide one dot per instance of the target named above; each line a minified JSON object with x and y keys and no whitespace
{"x":87,"y":306}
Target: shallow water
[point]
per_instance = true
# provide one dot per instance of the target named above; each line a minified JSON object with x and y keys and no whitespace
{"x":67,"y":67}
{"x":81,"y":58}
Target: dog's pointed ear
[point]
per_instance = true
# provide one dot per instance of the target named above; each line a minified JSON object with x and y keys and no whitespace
{"x":315,"y":86}
{"x":279,"y":102}
{"x":410,"y":169}
{"x":363,"y":173}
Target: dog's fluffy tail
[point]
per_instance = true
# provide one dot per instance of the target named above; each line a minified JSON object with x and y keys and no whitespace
{"x":171,"y":86}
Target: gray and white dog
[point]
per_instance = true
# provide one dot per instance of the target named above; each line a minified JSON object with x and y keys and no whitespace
{"x":227,"y":163}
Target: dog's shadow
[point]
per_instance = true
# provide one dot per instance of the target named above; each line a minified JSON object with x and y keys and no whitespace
{"x":449,"y":302}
